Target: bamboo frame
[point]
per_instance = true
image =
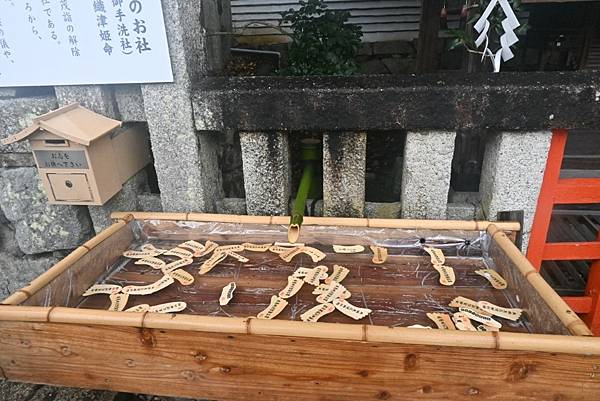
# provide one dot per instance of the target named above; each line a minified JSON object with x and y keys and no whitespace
{"x":554,"y":301}
{"x":45,"y":278}
{"x":467,"y":225}
{"x":579,"y":344}
{"x":503,"y":341}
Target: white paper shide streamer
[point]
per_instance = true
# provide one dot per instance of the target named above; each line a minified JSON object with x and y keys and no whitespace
{"x":509,"y":38}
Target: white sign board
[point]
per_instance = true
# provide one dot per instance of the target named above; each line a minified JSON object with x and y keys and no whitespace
{"x":68,"y":42}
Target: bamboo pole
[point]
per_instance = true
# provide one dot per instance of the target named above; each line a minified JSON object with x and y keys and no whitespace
{"x":43,"y":279}
{"x":453,"y":338}
{"x":89,"y":245}
{"x":149,"y":215}
{"x":211,"y":324}
{"x":229,"y":218}
{"x":283,"y":220}
{"x":579,"y":345}
{"x":336,"y":221}
{"x":95,"y":316}
{"x":566,"y":315}
{"x":336,"y":331}
{"x":467,"y":225}
{"x":15,"y":298}
{"x":325,"y":221}
{"x":15,"y":313}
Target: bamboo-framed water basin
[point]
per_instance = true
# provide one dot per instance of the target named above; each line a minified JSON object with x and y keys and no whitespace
{"x":50,"y":334}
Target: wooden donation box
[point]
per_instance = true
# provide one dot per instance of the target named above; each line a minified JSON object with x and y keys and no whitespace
{"x":220,"y":307}
{"x":83,"y":157}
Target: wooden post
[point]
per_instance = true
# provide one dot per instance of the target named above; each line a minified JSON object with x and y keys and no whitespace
{"x":543,"y":212}
{"x":429,"y":26}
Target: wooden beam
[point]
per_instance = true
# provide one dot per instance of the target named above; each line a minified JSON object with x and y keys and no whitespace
{"x":572,"y":251}
{"x":243,"y":367}
{"x":579,"y":304}
{"x":577,"y":191}
{"x":429,"y":27}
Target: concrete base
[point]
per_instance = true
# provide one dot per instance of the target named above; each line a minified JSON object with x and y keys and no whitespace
{"x":344,"y":163}
{"x":426,"y":174}
{"x":511,"y":178}
{"x":267,"y":177}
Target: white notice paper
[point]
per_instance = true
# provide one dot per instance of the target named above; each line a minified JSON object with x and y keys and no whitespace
{"x":68,"y":42}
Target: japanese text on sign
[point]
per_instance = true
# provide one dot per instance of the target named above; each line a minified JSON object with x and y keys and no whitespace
{"x":67,"y":42}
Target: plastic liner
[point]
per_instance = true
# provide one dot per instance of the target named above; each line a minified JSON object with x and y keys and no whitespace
{"x":399,"y":241}
{"x":399,"y":292}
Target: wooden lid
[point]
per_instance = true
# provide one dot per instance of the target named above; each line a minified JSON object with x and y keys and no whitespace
{"x":72,"y":122}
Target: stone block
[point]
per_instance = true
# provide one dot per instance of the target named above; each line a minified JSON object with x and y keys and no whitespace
{"x":130,"y":102}
{"x":98,"y":98}
{"x":125,"y":200}
{"x":267,"y":176}
{"x":149,"y":202}
{"x":231,"y":206}
{"x":444,"y":101}
{"x":16,"y":160}
{"x":17,"y":271}
{"x":344,"y":164}
{"x":512,"y":174}
{"x":464,"y":206}
{"x":8,"y":240}
{"x":186,"y":161}
{"x":461,"y":211}
{"x":40,"y":227}
{"x":383,"y":210}
{"x":426,"y":174}
{"x":16,"y":114}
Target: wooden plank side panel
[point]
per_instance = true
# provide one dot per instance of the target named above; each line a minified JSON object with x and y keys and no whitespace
{"x":66,"y":289}
{"x":535,"y":308}
{"x":241,"y":367}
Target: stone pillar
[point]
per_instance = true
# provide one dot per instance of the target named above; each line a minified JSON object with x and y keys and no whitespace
{"x":426,"y":174}
{"x":512,"y":173}
{"x":185,"y":160}
{"x":267,"y":175}
{"x":344,"y":164}
{"x":130,"y":102}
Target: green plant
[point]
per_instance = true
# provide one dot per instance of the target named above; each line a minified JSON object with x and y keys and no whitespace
{"x":466,"y":38}
{"x":323,"y":43}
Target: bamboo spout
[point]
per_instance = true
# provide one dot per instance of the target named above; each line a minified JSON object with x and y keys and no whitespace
{"x":310,"y":155}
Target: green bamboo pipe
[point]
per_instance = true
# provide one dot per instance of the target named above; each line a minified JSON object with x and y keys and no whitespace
{"x":310,"y":155}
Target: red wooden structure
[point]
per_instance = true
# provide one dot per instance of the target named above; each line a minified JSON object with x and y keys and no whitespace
{"x":556,"y":190}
